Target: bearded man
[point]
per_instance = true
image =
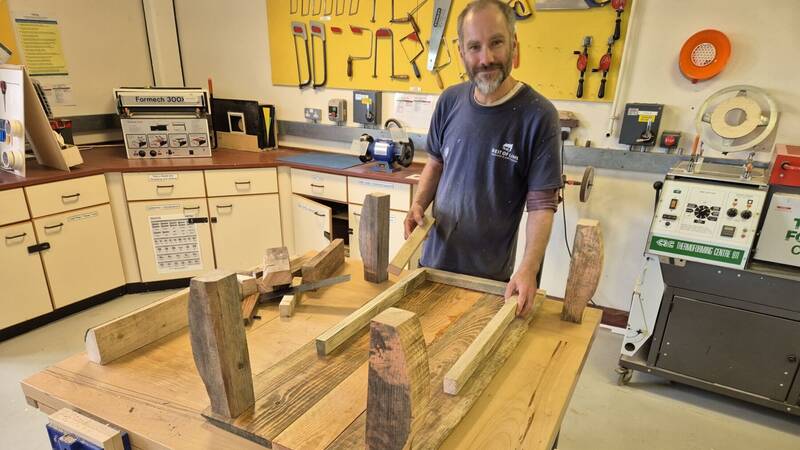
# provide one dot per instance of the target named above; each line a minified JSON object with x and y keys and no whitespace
{"x":493,"y":146}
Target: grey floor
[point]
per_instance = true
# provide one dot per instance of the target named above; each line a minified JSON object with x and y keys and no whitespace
{"x":647,"y":414}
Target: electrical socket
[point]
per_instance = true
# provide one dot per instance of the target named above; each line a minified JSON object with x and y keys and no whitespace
{"x":312,"y":114}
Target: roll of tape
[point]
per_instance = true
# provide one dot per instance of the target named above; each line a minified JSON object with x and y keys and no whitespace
{"x":16,"y":128}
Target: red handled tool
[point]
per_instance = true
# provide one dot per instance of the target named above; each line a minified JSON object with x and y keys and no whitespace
{"x":3,"y":88}
{"x":604,"y":66}
{"x":385,"y":33}
{"x":359,"y":31}
{"x":299,"y":31}
{"x":318,"y":30}
{"x":619,"y":7}
{"x":583,"y":61}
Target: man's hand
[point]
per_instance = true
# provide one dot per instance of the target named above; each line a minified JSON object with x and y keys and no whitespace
{"x":523,"y":283}
{"x":414,"y":218}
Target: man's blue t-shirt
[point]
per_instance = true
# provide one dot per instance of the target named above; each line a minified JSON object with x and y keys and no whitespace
{"x":493,"y":156}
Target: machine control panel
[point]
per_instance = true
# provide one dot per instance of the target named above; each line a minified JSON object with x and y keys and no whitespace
{"x":164,"y":123}
{"x":712,"y":223}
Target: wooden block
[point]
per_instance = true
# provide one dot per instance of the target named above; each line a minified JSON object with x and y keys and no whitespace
{"x":410,"y":246}
{"x":374,"y":237}
{"x":247,"y":285}
{"x":584,"y":270}
{"x":325,"y":263}
{"x":87,"y":429}
{"x":219,"y":345}
{"x":465,"y":366}
{"x":277,"y":268}
{"x":338,"y":334}
{"x":296,"y":263}
{"x":237,"y":141}
{"x":249,"y":308}
{"x":286,"y":306}
{"x":118,"y":337}
{"x":398,"y":388}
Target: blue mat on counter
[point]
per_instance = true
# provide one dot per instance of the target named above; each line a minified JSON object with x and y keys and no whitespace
{"x":329,"y":160}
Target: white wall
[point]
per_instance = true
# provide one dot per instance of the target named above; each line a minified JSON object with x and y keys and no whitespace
{"x":228,"y":42}
{"x":105,"y":47}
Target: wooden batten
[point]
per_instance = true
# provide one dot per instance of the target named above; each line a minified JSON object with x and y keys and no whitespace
{"x":403,"y":256}
{"x":338,"y":334}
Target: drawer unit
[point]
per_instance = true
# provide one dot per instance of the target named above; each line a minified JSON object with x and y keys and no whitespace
{"x":61,"y":196}
{"x":224,"y":182}
{"x":164,"y":185}
{"x":320,"y":185}
{"x":399,"y":193}
{"x":25,"y":294}
{"x":173,"y":238}
{"x":243,"y":227}
{"x":13,"y":207}
{"x":83,"y":259}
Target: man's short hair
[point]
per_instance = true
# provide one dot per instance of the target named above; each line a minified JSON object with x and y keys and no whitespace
{"x":477,"y":5}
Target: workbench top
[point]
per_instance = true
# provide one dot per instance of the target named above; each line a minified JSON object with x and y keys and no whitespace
{"x":156,"y":394}
{"x":100,"y":160}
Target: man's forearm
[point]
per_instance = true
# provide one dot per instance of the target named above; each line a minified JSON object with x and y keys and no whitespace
{"x":537,"y":234}
{"x":428,"y":182}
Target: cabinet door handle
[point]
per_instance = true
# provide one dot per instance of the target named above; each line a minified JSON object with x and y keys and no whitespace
{"x":38,"y":248}
{"x":224,"y":206}
{"x":76,"y":196}
{"x":50,"y":227}
{"x":185,"y":208}
{"x":357,"y":214}
{"x":321,"y":186}
{"x":242,"y":182}
{"x":165,"y":186}
{"x":319,"y":214}
{"x":11,"y":238}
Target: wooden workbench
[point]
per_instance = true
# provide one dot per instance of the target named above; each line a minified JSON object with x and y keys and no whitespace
{"x":156,"y":395}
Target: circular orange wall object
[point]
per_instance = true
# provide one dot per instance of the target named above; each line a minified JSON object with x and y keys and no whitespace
{"x":704,"y":55}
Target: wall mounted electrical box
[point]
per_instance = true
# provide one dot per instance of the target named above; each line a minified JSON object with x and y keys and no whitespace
{"x":367,"y":108}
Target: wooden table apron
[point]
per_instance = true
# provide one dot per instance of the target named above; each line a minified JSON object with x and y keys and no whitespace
{"x":157,"y":396}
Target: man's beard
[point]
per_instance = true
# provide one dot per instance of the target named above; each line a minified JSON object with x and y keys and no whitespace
{"x":487,"y":85}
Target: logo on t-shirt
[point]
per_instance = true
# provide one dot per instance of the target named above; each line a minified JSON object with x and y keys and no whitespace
{"x":506,"y":153}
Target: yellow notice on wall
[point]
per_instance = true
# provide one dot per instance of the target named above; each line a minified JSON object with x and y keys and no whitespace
{"x":40,"y":40}
{"x":8,"y":45}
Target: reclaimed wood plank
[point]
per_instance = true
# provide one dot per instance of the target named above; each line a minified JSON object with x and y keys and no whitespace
{"x":118,"y":337}
{"x":249,"y":308}
{"x":467,"y":281}
{"x":219,"y":344}
{"x":585,"y":269}
{"x":373,"y":237}
{"x":277,"y":269}
{"x":325,"y":263}
{"x":398,"y":388}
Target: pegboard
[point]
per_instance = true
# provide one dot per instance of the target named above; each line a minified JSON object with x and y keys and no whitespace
{"x":547,"y":41}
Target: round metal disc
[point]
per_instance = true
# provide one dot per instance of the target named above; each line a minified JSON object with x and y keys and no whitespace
{"x":586,"y":184}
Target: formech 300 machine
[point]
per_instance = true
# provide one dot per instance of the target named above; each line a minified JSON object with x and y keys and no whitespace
{"x":717,"y":305}
{"x":164,"y":122}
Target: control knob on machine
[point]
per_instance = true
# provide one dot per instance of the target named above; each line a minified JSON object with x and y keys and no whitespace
{"x":142,"y":153}
{"x":732,"y":212}
{"x":746,"y":214}
{"x":702,"y":211}
{"x":153,"y":153}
